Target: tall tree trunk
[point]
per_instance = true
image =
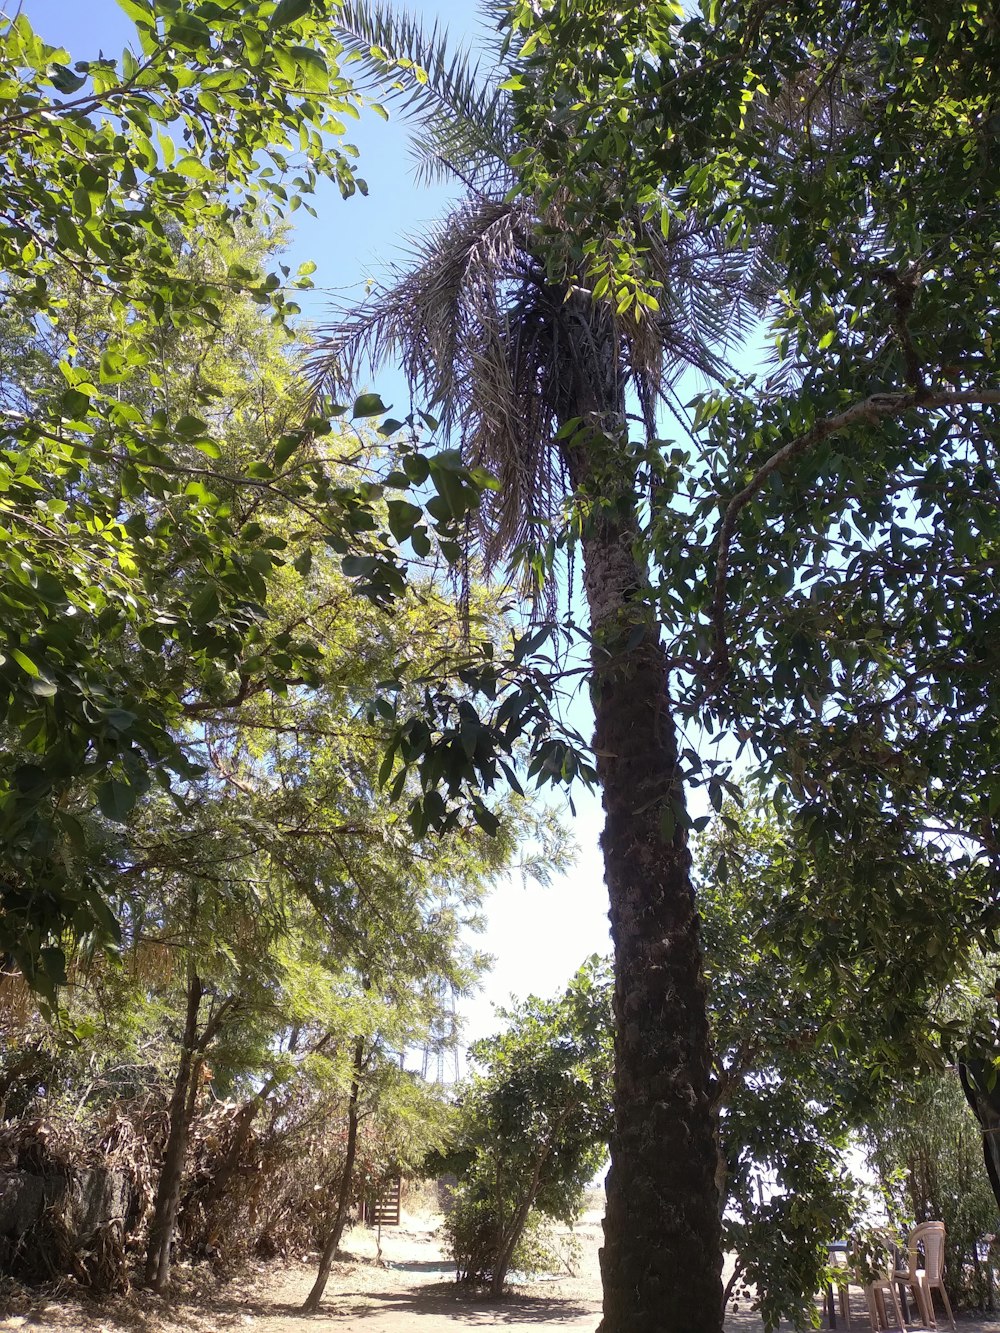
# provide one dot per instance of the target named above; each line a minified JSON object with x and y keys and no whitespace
{"x":311,"y":1304}
{"x":662,"y":1258}
{"x":986,"y":1107}
{"x":168,"y":1189}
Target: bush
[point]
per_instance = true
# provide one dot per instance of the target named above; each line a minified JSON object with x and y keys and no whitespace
{"x":531,"y":1131}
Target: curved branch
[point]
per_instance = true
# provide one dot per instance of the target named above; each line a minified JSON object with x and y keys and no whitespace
{"x":868,"y":412}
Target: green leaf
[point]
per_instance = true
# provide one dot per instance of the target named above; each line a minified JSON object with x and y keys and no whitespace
{"x":421,"y":542}
{"x":486,"y":819}
{"x":65,"y":80}
{"x":205,"y":605}
{"x":112,"y":367}
{"x":289,"y":11}
{"x":286,"y":446}
{"x":24,"y":662}
{"x":403,"y":518}
{"x":116,"y":800}
{"x":188,"y":425}
{"x":120,"y":718}
{"x":137,"y":10}
{"x":368,"y":405}
{"x":359,"y":566}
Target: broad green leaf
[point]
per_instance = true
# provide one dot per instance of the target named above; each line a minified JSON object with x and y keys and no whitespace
{"x":289,"y":11}
{"x":116,"y":800}
{"x":368,"y":405}
{"x":24,"y":662}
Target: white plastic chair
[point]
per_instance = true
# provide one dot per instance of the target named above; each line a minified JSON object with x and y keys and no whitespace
{"x":884,"y":1281}
{"x":924,"y":1281}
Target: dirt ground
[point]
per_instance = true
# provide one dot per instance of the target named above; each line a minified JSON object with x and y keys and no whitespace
{"x":410,"y":1291}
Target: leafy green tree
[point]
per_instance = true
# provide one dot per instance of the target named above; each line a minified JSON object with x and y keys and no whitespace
{"x":273,"y":856}
{"x":105,"y":161}
{"x":287,"y":837}
{"x":135,"y":578}
{"x":818,"y":1016}
{"x":531,"y":1126}
{"x":925,"y":1147}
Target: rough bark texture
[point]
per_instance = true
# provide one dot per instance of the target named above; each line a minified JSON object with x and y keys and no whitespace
{"x":168,"y":1189}
{"x":662,"y":1260}
{"x":986,"y":1107}
{"x":311,"y":1303}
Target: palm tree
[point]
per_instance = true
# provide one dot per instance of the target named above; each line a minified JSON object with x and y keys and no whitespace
{"x":530,"y":372}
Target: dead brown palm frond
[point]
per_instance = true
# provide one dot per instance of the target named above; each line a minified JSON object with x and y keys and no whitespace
{"x":423,"y":313}
{"x":481,"y":334}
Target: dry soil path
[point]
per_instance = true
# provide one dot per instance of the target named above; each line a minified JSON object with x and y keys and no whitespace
{"x":408,"y":1292}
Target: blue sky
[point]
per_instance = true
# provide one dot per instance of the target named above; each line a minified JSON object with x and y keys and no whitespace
{"x":539,"y":937}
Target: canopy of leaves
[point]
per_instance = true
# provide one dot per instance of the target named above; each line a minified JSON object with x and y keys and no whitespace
{"x":824,"y":569}
{"x":824,"y":1001}
{"x":137,"y":570}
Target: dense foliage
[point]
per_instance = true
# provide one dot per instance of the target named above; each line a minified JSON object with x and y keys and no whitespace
{"x":827,"y":586}
{"x":235,"y":931}
{"x":530,"y":1128}
{"x":818,"y":1019}
{"x":136,"y":573}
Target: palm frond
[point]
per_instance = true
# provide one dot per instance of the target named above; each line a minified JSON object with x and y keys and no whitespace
{"x":498,"y":350}
{"x":424,"y":312}
{"x":462,"y":112}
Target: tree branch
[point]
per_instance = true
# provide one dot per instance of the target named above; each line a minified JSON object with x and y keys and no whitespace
{"x":868,"y":412}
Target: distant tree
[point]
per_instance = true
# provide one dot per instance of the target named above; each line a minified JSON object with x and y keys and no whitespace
{"x":818,"y":1018}
{"x":531,"y":1125}
{"x":926,"y":1147}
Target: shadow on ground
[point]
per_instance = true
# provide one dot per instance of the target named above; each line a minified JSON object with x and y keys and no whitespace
{"x":431,"y":1301}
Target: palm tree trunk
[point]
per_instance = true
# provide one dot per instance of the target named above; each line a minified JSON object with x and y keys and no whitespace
{"x":311,"y":1304}
{"x":662,"y":1259}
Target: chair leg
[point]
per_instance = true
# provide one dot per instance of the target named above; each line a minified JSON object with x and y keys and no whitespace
{"x":920,"y":1301}
{"x":898,"y":1309}
{"x":873,"y":1318}
{"x":845,"y":1304}
{"x":947,"y":1303}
